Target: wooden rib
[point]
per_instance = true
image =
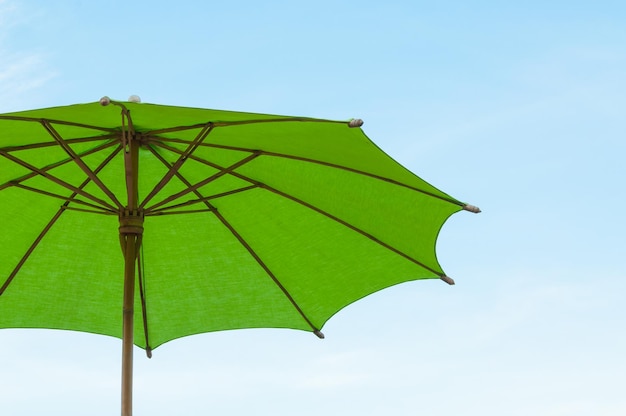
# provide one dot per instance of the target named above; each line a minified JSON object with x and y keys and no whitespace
{"x":250,"y":250}
{"x":159,"y":141}
{"x":48,"y":226}
{"x":176,"y":129}
{"x":54,"y":143}
{"x":30,"y":250}
{"x":81,"y":163}
{"x":277,"y":120}
{"x":190,"y":211}
{"x":242,"y":122}
{"x":267,"y":270}
{"x":91,"y":211}
{"x":55,"y":179}
{"x":201,"y":199}
{"x":126,"y":113}
{"x":142,"y":297}
{"x":165,"y":210}
{"x":344,"y":223}
{"x":64,"y":198}
{"x":57,"y":164}
{"x":174,"y":168}
{"x":60,"y":122}
{"x":320,"y":211}
{"x":193,"y":188}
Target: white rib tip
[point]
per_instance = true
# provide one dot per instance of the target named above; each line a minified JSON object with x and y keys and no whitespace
{"x":319,"y":334}
{"x":355,"y":122}
{"x":104,"y":101}
{"x":471,"y":208}
{"x":447,"y":279}
{"x":134,"y":99}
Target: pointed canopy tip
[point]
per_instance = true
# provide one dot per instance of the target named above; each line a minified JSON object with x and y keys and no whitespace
{"x":447,"y":279}
{"x":355,"y":122}
{"x":471,"y":208}
{"x":319,"y":334}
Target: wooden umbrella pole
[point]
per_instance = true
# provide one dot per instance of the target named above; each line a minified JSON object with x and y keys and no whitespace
{"x":128,"y":316}
{"x":130,"y":234}
{"x":131,"y":231}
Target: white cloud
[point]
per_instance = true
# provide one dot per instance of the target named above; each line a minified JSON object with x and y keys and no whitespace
{"x":22,"y":72}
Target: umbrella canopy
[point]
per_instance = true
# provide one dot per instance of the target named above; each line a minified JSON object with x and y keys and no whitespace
{"x":226,"y":220}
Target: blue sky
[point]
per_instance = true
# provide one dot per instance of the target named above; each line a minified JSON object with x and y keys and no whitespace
{"x":517,"y":108}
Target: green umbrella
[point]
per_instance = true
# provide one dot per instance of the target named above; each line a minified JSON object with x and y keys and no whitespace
{"x":216,"y":220}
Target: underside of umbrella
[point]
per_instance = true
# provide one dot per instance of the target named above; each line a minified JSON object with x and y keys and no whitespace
{"x":221,"y":220}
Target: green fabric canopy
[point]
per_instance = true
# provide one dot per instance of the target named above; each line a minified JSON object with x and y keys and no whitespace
{"x":250,"y":220}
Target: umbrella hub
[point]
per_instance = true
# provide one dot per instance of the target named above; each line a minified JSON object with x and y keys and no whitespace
{"x":131,"y":222}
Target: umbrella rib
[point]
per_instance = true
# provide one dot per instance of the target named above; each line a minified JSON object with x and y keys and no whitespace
{"x":48,"y":226}
{"x":318,"y":210}
{"x":164,"y":210}
{"x":267,"y":270}
{"x":79,"y":161}
{"x":64,"y":198}
{"x":344,"y":223}
{"x":201,"y":199}
{"x":50,"y":144}
{"x":61,"y":122}
{"x":30,"y":250}
{"x":193,"y":188}
{"x":174,"y":168}
{"x":189,"y":211}
{"x":242,"y":122}
{"x":304,"y":159}
{"x":142,"y":294}
{"x":360,"y":172}
{"x":57,"y":164}
{"x":54,"y":179}
{"x":91,"y":211}
{"x":247,"y":246}
{"x":142,"y":297}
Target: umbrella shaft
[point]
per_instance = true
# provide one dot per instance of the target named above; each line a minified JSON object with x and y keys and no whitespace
{"x":130,"y":255}
{"x":131,"y":230}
